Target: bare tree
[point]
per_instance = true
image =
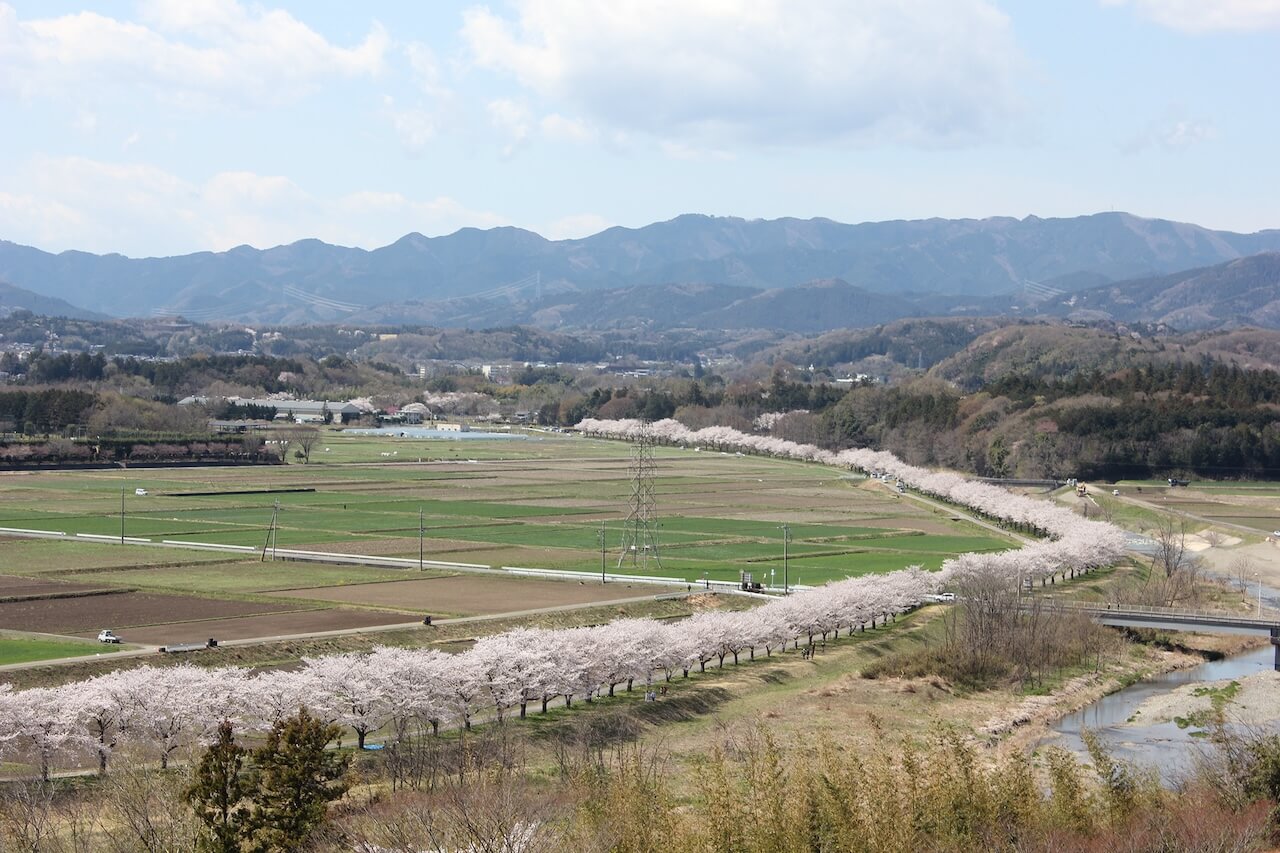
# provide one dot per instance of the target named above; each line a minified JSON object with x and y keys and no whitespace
{"x":302,"y":439}
{"x":1174,"y":569}
{"x":1243,"y":568}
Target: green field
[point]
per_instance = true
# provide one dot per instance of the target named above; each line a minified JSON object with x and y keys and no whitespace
{"x":535,"y":503}
{"x":25,"y":650}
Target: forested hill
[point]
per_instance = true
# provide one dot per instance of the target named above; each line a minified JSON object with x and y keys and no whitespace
{"x":311,"y":281}
{"x":1240,"y":292}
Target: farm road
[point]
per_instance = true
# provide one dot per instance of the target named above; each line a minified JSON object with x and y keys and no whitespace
{"x":972,"y":519}
{"x":399,"y":626}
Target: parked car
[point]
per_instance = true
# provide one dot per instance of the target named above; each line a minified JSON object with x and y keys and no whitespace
{"x":106,"y":635}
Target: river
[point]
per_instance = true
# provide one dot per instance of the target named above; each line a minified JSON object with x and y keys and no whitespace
{"x":1164,"y":746}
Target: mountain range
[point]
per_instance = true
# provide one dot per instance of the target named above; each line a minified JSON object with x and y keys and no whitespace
{"x":734,"y":271}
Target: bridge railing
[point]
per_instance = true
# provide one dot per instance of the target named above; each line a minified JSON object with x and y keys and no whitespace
{"x":1172,"y":612}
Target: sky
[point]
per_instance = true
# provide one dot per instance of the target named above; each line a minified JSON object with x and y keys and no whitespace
{"x":163,"y":127}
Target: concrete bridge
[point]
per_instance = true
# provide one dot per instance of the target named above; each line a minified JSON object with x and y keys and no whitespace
{"x":1174,"y":619}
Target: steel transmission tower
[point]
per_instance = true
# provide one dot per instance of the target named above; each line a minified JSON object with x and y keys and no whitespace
{"x":640,"y":531}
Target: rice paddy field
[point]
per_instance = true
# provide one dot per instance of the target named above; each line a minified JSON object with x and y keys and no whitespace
{"x":540,"y":502}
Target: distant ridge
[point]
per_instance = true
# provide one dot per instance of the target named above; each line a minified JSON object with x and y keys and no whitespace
{"x":20,"y":299}
{"x":1027,"y":260}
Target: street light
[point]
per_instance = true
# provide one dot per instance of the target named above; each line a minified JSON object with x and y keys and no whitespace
{"x":421,"y":535}
{"x":122,"y":488}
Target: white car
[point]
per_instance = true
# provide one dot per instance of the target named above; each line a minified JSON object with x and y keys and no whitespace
{"x":106,"y":635}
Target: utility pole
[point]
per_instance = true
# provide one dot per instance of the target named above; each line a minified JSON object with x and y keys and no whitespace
{"x":601,"y":537}
{"x":786,"y":538}
{"x":271,"y":534}
{"x":1258,"y":575}
{"x":122,"y":488}
{"x":421,"y":533}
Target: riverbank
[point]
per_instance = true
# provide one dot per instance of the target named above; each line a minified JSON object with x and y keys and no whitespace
{"x":1253,"y":701}
{"x":1029,"y":724}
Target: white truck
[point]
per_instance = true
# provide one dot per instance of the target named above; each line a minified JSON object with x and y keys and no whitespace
{"x":106,"y":635}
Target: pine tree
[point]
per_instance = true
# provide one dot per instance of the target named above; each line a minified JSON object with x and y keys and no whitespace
{"x":294,"y":780}
{"x":217,"y":793}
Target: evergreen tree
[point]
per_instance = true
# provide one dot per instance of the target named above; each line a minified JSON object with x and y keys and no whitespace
{"x":294,"y":780}
{"x":217,"y":793}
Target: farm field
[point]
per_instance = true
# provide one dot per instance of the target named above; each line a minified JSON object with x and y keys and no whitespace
{"x":1247,"y":507}
{"x":472,"y":595}
{"x":87,"y":615}
{"x":28,"y":649}
{"x":538,"y":503}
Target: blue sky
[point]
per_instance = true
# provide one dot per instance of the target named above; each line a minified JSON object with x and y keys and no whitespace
{"x":170,"y":126}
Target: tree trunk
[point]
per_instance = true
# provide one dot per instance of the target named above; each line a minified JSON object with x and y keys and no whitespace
{"x":629,"y":680}
{"x":735,"y":658}
{"x":524,"y":704}
{"x":545,"y":699}
{"x":360,"y":734}
{"x":435,"y":727}
{"x":611,"y":685}
{"x":702,"y":666}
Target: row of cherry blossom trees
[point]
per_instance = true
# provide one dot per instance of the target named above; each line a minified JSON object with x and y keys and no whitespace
{"x":1071,"y":544}
{"x":404,"y":692}
{"x":401,"y":693}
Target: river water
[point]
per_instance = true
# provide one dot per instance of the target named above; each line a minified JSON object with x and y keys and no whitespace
{"x":1164,"y":746}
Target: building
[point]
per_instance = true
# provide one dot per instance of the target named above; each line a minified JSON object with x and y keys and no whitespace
{"x":447,"y":427}
{"x":415,"y":413}
{"x":301,"y":411}
{"x":235,"y":427}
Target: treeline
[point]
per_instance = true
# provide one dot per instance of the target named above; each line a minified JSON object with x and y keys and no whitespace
{"x":1227,"y":384}
{"x":45,"y":411}
{"x":52,"y":453}
{"x":165,"y":376}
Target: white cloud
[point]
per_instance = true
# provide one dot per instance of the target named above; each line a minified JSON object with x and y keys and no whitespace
{"x":182,"y":51}
{"x":563,"y":129}
{"x":512,"y":120}
{"x":1172,"y":132}
{"x":715,"y":72}
{"x":575,"y":226}
{"x":138,"y":209}
{"x":1200,"y":16}
{"x":414,"y":126}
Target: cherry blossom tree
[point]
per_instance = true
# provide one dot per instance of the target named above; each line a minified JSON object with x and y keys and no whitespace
{"x":351,"y":693}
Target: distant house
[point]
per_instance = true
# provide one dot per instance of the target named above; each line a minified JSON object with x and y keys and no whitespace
{"x":447,"y":427}
{"x":415,"y":413}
